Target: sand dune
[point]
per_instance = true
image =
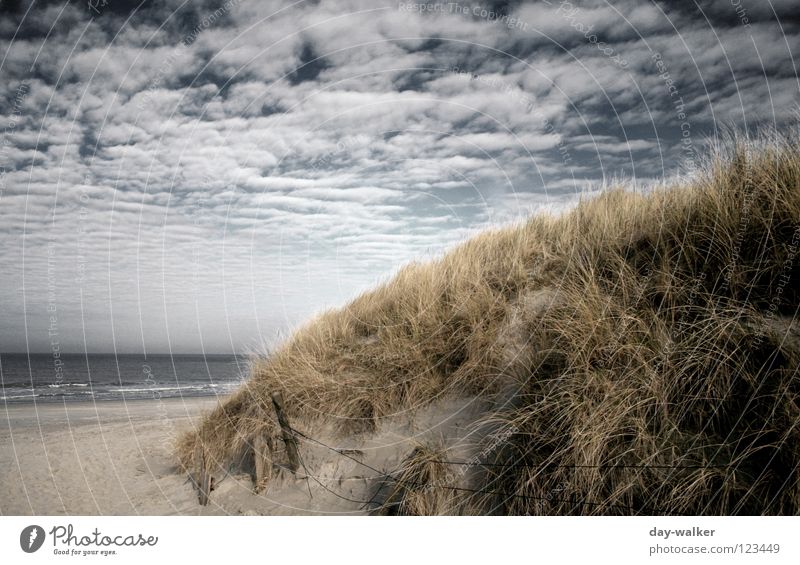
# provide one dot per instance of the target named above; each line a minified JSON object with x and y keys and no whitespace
{"x":638,"y":355}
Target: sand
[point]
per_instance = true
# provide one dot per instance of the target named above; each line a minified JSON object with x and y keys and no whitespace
{"x":95,"y":458}
{"x":116,"y":458}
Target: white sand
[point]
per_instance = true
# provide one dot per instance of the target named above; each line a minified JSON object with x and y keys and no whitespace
{"x":117,"y":458}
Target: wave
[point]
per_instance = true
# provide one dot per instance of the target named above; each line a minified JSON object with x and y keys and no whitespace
{"x":165,"y":388}
{"x":19,"y":396}
{"x":109,"y":391}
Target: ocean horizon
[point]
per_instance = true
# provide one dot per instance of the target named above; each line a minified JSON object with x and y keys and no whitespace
{"x":69,"y":377}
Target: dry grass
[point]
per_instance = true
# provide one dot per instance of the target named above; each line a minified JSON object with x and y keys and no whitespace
{"x":423,"y":486}
{"x":646,"y":344}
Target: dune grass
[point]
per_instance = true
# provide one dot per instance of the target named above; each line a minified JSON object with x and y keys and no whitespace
{"x":641,"y":350}
{"x":424,"y":485}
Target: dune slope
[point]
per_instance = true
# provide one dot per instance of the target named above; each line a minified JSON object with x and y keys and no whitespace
{"x":636,"y":355}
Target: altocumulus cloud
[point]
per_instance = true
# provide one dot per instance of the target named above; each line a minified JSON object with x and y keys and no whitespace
{"x":187,"y":176}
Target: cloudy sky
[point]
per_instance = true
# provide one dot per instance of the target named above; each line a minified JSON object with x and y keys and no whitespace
{"x":203,"y":176}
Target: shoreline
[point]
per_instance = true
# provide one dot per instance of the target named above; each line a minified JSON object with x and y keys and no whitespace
{"x":110,"y":410}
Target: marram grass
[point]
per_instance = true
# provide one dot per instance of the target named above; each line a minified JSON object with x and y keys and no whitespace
{"x":641,"y":352}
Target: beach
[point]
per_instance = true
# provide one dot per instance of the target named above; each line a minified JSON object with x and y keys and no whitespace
{"x":93,"y":458}
{"x":118,"y":458}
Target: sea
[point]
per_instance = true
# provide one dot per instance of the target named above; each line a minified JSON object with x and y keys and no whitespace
{"x":43,"y":377}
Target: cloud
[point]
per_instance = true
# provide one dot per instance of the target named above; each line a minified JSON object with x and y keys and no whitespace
{"x":219,"y":171}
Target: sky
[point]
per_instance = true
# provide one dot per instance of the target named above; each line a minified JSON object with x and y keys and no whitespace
{"x":203,"y":176}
